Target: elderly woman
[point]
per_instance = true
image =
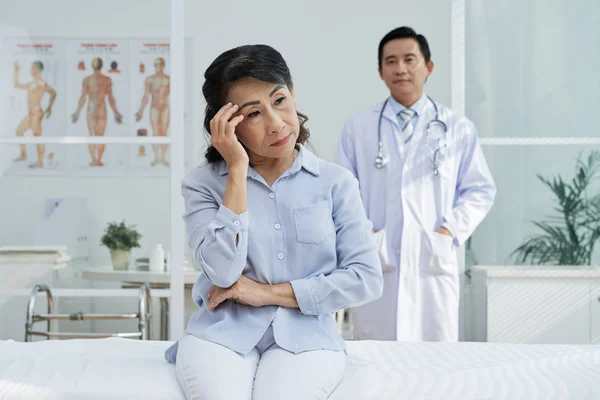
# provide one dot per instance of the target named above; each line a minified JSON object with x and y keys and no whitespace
{"x":282,"y":240}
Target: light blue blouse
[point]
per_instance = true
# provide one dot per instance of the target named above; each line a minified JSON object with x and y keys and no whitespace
{"x":309,"y":229}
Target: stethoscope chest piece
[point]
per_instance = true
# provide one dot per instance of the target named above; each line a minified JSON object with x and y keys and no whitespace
{"x":380,"y":161}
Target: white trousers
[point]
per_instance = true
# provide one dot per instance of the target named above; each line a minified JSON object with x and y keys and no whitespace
{"x":209,"y":371}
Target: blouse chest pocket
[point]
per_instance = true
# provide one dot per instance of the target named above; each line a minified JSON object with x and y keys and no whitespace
{"x":314,"y":222}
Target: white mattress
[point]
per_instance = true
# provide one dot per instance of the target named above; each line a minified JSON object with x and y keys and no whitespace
{"x":132,"y":369}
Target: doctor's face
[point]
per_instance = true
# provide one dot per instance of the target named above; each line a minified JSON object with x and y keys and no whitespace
{"x":404,"y":70}
{"x":270,"y":126}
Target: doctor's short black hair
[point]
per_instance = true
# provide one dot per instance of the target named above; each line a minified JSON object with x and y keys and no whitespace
{"x":405,"y":32}
{"x":258,"y":61}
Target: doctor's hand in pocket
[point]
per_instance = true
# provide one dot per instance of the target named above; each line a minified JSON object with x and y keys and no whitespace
{"x":244,"y":291}
{"x":444,"y":231}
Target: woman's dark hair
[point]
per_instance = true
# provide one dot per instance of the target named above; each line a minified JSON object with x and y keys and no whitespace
{"x":260,"y":62}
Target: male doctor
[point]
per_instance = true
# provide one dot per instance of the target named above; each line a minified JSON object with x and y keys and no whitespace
{"x":425,"y":185}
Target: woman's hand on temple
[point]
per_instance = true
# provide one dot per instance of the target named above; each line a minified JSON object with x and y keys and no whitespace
{"x":223,"y":138}
{"x":244,"y":291}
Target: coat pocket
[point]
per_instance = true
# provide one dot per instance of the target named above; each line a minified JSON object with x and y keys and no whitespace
{"x":440,"y":257}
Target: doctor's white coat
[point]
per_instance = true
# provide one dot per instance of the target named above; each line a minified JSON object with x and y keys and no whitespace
{"x":407,"y":203}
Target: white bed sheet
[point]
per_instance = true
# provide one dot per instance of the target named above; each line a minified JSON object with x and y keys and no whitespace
{"x":132,"y":369}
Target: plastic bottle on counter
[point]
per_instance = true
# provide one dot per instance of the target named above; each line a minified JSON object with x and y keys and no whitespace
{"x":157,"y":258}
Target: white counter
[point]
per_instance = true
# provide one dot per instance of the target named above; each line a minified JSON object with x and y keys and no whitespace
{"x":529,"y":304}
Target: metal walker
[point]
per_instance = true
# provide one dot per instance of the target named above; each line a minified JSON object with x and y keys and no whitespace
{"x":143,"y":315}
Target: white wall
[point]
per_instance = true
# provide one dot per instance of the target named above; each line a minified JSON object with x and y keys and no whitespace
{"x":73,"y":18}
{"x":141,"y":201}
{"x":330,"y":47}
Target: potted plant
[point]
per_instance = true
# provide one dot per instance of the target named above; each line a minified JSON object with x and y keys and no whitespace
{"x":569,"y":237}
{"x":120,"y":239}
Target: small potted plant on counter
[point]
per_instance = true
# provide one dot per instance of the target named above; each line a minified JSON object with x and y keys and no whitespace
{"x":120,"y":239}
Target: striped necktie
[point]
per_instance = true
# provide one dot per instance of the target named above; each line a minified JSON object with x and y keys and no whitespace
{"x":407,"y":129}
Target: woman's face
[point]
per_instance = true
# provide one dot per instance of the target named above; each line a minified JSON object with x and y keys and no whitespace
{"x":270,"y":126}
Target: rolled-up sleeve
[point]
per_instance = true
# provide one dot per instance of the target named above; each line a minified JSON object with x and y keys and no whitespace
{"x":217,"y":236}
{"x":358,"y":278}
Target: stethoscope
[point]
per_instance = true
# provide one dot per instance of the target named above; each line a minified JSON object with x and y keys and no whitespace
{"x":380,"y":162}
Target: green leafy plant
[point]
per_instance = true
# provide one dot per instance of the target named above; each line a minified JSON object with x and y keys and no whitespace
{"x":118,"y":236}
{"x":569,"y":237}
